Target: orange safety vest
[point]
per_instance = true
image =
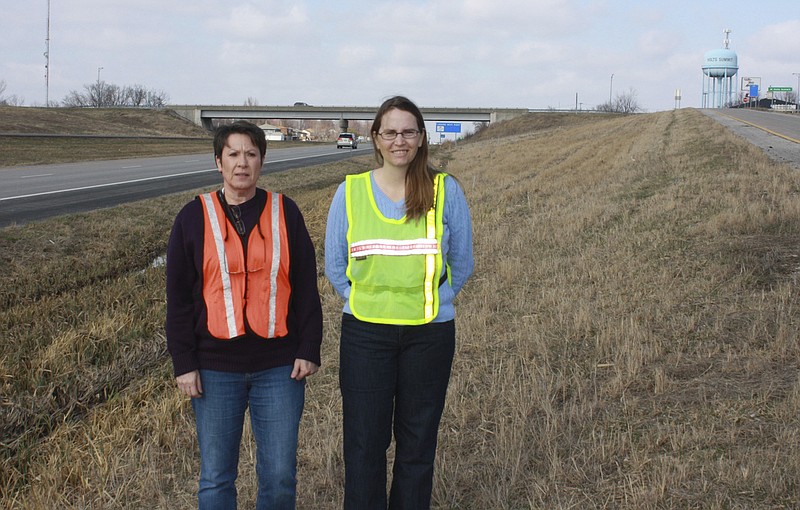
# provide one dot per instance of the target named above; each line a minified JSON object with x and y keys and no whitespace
{"x":253,"y":292}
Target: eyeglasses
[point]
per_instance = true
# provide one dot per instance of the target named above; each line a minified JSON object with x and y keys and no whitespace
{"x":408,"y":134}
{"x":237,"y":219}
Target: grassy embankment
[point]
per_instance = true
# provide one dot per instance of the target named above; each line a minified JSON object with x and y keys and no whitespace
{"x":629,"y":339}
{"x":114,"y":134}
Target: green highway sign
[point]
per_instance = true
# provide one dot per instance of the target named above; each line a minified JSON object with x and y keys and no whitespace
{"x":779,"y":89}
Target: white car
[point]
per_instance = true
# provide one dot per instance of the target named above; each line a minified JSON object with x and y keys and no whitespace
{"x":347,"y":140}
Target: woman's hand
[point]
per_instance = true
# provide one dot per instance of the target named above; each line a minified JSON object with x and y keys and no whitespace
{"x":303,"y":368}
{"x":189,"y":384}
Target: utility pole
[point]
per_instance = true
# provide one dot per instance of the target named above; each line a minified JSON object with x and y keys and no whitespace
{"x":797,"y":92}
{"x":47,"y":61}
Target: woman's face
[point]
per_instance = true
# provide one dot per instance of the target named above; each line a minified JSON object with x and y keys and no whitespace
{"x":240,"y":164}
{"x":401,"y":151}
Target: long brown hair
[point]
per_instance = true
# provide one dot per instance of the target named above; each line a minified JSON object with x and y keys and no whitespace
{"x":419,"y":176}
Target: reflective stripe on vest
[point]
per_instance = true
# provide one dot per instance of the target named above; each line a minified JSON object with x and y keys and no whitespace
{"x":240,"y":293}
{"x":393,"y":265}
{"x":211,"y":207}
{"x":430,"y":259}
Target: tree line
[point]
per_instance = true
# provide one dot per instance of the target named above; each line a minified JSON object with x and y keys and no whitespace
{"x":100,"y":94}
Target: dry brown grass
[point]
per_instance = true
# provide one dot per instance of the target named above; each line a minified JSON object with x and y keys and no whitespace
{"x":66,"y":123}
{"x":629,"y":339}
{"x":96,"y":121}
{"x":69,"y":135}
{"x":18,"y":151}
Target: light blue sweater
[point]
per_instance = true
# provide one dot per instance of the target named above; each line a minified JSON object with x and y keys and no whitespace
{"x":456,"y":242}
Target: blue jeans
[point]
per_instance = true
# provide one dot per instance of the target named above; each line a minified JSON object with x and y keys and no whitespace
{"x":276,"y":405}
{"x":392,"y":378}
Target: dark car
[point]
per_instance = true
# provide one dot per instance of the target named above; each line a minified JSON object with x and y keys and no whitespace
{"x":347,"y":140}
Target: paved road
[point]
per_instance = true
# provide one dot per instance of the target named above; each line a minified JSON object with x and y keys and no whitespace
{"x":37,"y":192}
{"x":778,"y":134}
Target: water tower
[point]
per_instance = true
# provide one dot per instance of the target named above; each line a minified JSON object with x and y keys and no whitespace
{"x":719,"y":68}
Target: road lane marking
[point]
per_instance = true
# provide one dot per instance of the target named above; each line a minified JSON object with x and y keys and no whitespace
{"x":762,"y":128}
{"x":95,"y":186}
{"x":39,"y":175}
{"x":145,"y":179}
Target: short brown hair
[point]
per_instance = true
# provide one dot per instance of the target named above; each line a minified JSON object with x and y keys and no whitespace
{"x":242,"y":127}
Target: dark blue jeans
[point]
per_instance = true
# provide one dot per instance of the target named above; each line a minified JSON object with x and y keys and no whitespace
{"x":392,"y":378}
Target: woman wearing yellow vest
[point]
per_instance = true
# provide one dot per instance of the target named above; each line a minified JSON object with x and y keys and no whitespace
{"x":398,"y":249}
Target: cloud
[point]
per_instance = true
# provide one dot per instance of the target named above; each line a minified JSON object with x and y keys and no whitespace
{"x":533,"y":52}
{"x":776,"y":42}
{"x":277,"y":22}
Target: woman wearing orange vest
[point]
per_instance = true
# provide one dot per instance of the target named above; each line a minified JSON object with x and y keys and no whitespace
{"x":244,"y":321}
{"x":398,"y":248}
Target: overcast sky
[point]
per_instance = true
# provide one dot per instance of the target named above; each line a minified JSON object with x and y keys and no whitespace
{"x":470,"y":53}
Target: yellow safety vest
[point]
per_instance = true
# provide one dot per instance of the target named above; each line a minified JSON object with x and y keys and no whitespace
{"x":394,"y":266}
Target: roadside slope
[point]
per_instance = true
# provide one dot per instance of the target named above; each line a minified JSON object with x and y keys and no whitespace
{"x":96,"y":121}
{"x":70,"y":127}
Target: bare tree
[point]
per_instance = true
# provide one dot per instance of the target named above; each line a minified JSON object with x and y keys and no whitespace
{"x":251,"y":101}
{"x":156,"y":99}
{"x":95,"y":95}
{"x":136,"y":95}
{"x":628,"y":102}
{"x":12,"y":100}
{"x":624,"y":103}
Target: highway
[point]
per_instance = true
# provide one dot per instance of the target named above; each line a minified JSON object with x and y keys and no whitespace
{"x":784,"y":125}
{"x":777,"y":134}
{"x":33,"y":193}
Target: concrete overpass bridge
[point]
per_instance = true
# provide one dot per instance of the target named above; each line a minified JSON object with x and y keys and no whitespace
{"x":204,"y":115}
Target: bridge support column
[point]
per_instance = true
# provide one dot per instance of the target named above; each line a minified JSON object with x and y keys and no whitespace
{"x":343,"y":123}
{"x":192,"y":114}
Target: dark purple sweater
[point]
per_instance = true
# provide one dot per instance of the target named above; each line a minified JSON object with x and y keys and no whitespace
{"x":188,"y":340}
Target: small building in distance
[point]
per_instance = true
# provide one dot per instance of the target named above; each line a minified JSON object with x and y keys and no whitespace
{"x":273,"y":133}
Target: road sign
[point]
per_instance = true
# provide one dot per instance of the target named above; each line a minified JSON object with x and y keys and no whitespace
{"x":448,"y":127}
{"x":754,"y":91}
{"x":779,"y":89}
{"x":748,"y":81}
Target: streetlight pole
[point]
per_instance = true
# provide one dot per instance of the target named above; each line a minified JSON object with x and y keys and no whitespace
{"x":98,"y":90}
{"x":797,"y":92}
{"x":610,"y":88}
